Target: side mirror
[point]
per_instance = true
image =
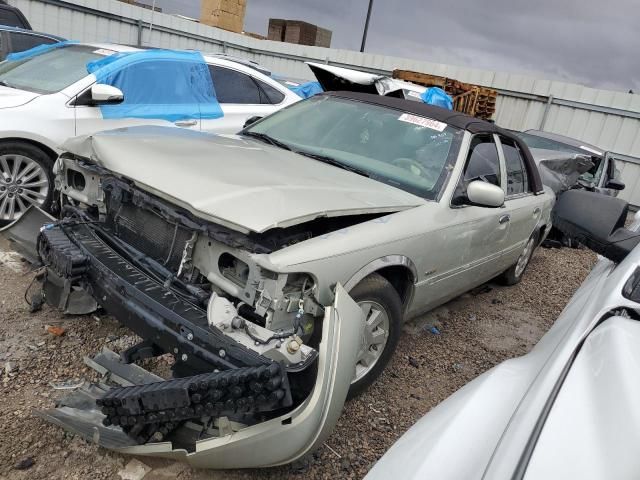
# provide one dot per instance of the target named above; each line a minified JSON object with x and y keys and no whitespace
{"x":483,"y":194}
{"x":251,"y":120}
{"x":596,"y":221}
{"x":102,"y":94}
{"x":614,"y":184}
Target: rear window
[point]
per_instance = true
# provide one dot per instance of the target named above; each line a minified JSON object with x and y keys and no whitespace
{"x":24,"y":41}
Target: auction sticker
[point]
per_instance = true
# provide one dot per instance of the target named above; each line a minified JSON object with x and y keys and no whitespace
{"x":423,"y":122}
{"x":104,"y":51}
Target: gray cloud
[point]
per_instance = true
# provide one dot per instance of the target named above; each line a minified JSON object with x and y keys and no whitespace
{"x":586,"y":41}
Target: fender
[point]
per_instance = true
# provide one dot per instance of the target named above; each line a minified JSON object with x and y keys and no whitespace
{"x":379,"y":264}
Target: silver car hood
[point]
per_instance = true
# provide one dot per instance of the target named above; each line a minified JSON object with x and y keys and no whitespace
{"x":236,"y":181}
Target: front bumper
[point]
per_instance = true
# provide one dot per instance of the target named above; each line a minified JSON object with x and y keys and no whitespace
{"x":174,"y":325}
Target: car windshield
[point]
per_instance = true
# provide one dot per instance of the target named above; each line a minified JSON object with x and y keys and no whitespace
{"x":407,"y":151}
{"x":592,"y":176}
{"x":51,"y":71}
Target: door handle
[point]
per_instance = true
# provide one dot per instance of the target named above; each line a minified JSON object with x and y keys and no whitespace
{"x":186,"y":123}
{"x":536,"y":211}
{"x":504,"y":219}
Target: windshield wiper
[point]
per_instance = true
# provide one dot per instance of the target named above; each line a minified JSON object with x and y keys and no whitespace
{"x":267,"y":139}
{"x":334,"y":162}
{"x":4,"y":84}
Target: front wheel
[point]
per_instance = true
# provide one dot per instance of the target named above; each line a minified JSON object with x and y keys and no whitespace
{"x":515,"y":273}
{"x":382,"y":308}
{"x":25,"y":180}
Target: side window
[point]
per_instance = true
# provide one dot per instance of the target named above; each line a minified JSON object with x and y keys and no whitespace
{"x":483,"y":162}
{"x":22,"y":41}
{"x":10,"y":18}
{"x":234,"y":87}
{"x":517,"y":178}
{"x":272,"y":95}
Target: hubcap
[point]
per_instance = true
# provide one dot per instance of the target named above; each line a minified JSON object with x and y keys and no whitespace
{"x":374,"y":338}
{"x":23,"y":182}
{"x":524,"y":258}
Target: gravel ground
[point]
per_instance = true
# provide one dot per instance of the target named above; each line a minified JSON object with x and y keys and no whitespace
{"x":478,"y":330}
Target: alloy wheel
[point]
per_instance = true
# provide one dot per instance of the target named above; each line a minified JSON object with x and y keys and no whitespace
{"x":23,"y":182}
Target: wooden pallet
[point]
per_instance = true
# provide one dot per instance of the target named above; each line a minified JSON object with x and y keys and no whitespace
{"x":467,"y":98}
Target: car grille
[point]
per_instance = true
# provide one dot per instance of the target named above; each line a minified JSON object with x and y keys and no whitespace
{"x":150,"y":234}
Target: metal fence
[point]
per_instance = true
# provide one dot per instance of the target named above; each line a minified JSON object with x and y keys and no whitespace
{"x":610,"y":120}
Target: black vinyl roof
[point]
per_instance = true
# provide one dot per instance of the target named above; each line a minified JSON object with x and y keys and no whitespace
{"x":455,"y":119}
{"x":450,"y":117}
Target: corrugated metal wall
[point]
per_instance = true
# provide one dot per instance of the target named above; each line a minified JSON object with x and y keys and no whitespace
{"x":610,"y":120}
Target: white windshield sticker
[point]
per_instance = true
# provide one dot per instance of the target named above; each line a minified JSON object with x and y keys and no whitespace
{"x":423,"y":122}
{"x":103,"y":51}
{"x":590,"y":150}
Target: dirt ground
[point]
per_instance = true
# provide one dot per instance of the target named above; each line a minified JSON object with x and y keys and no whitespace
{"x":477,"y":331}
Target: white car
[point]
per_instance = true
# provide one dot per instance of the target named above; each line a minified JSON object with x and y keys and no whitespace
{"x":566,"y":410}
{"x":47,"y":98}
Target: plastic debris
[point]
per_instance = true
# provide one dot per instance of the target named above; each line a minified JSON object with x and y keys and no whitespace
{"x":53,"y":330}
{"x":134,"y":470}
{"x":434,"y":330}
{"x":68,"y":385}
{"x":438,"y":97}
{"x":307,"y":90}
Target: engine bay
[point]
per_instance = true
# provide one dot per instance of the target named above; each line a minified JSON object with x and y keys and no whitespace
{"x":244,"y":338}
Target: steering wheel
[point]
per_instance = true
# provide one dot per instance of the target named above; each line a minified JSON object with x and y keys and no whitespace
{"x":412,"y":166}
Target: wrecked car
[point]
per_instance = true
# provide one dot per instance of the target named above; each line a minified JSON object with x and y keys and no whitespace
{"x":562,"y":410}
{"x":277,"y":265}
{"x":603,"y":176}
{"x":53,"y":92}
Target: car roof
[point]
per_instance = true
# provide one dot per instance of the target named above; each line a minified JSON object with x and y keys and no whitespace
{"x":7,"y":28}
{"x":562,"y":139}
{"x":450,"y":117}
{"x":209,"y":58}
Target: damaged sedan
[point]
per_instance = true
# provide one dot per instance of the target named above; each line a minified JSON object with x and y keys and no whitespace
{"x":276,"y":266}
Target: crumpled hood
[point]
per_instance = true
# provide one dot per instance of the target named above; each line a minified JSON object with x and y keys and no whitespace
{"x":12,"y":97}
{"x":235,"y":181}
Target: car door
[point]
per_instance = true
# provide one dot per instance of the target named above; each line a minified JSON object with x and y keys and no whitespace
{"x":476,"y":236}
{"x":522,"y":206}
{"x":154,"y":94}
{"x":241,"y":96}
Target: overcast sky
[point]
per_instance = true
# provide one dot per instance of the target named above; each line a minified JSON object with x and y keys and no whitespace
{"x":587,"y":41}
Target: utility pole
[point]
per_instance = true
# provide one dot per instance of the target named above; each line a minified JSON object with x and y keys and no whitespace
{"x":366,"y":26}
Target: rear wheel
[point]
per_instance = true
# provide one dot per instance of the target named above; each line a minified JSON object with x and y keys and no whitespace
{"x":25,"y":179}
{"x":382,"y":308}
{"x":515,"y":273}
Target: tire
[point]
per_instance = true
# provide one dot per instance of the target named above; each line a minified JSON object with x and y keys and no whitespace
{"x":515,"y":273}
{"x":375,"y":294}
{"x":16,"y":194}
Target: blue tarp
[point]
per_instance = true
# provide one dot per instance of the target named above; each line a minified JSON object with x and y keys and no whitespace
{"x":307,"y":90}
{"x":35,"y":51}
{"x":185,"y":91}
{"x":438,"y":97}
